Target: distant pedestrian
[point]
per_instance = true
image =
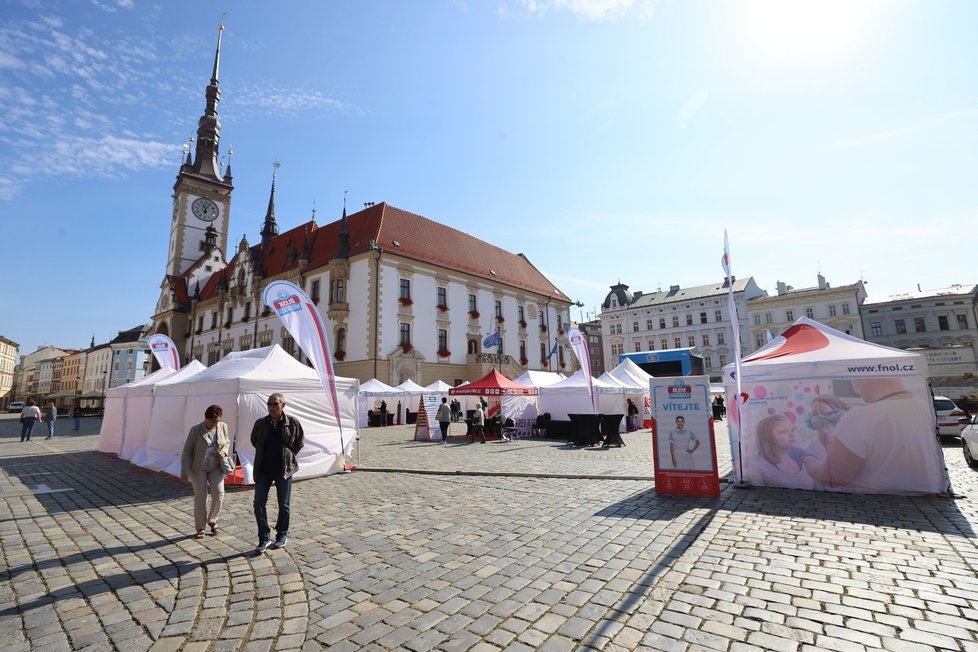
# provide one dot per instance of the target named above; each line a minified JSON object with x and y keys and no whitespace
{"x":631,"y":421}
{"x":50,"y":416}
{"x":444,"y":418}
{"x":277,"y":439}
{"x":205,"y":461}
{"x":76,"y":415}
{"x":456,"y":409}
{"x":383,"y":412}
{"x":29,"y":416}
{"x":479,"y":422}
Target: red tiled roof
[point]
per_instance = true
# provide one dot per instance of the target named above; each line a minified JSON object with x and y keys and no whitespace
{"x":416,"y":237}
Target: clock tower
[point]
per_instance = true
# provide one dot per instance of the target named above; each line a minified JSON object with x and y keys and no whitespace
{"x":201,"y":194}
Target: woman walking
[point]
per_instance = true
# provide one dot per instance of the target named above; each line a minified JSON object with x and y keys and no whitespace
{"x":206,"y":462}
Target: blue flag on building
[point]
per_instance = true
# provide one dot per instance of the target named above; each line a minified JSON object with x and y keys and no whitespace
{"x":491,"y":340}
{"x":553,"y":351}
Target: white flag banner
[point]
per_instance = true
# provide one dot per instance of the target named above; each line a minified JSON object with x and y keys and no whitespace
{"x":735,"y":422}
{"x":579,"y":346}
{"x":164,"y":350}
{"x":301,"y":318}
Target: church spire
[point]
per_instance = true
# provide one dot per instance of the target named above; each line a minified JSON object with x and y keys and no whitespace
{"x":343,"y":251}
{"x":208,"y":127}
{"x":270,"y":229}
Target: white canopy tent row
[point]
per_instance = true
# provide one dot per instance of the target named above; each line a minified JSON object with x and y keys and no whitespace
{"x":113,"y":428}
{"x":829,"y":411}
{"x":632,"y":375}
{"x":410,"y":399}
{"x":241,"y":383}
{"x":571,"y":396}
{"x":371,"y":394}
{"x":139,"y":409}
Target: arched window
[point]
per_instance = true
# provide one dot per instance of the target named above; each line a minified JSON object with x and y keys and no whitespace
{"x":473,"y":347}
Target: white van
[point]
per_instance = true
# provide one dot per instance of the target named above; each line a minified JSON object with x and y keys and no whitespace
{"x":15,"y":406}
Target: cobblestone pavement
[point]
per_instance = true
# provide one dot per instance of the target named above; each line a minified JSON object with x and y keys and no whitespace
{"x":97,"y":555}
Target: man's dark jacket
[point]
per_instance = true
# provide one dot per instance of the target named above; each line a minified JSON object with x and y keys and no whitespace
{"x":292,"y":441}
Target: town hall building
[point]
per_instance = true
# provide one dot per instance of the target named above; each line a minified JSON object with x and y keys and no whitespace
{"x":402,"y":296}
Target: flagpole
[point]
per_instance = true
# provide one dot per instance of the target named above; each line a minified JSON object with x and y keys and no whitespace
{"x":735,"y":324}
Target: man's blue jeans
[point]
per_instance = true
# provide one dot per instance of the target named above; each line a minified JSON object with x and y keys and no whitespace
{"x":27,"y":429}
{"x":50,"y":428}
{"x":283,"y":490}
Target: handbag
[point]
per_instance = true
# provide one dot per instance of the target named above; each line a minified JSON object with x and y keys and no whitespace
{"x":227,"y":465}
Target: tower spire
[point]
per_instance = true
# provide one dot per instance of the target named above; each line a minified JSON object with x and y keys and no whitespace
{"x":208,"y":127}
{"x":343,"y":250}
{"x":270,"y":228}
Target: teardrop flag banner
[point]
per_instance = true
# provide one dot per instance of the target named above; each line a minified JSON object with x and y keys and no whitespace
{"x":301,"y":318}
{"x":579,"y":347}
{"x":164,"y":350}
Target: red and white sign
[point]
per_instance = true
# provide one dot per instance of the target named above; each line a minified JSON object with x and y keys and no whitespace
{"x":683,"y":441}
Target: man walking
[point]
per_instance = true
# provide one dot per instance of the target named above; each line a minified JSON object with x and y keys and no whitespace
{"x":444,"y":418}
{"x":50,"y":416}
{"x":277,"y":439}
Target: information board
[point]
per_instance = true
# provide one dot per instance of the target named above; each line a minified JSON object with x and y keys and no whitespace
{"x":426,"y":428}
{"x":683,"y":442}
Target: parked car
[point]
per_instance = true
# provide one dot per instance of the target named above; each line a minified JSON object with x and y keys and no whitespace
{"x":15,"y":406}
{"x":947,"y":416}
{"x":969,"y":440}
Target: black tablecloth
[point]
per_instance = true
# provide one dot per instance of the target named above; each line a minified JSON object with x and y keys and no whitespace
{"x":584,"y":429}
{"x":610,"y":423}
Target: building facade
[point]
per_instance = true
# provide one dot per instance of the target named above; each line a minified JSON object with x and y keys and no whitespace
{"x":591,"y":330}
{"x":130,"y":356}
{"x":8,"y":361}
{"x":945,"y":318}
{"x":694,"y":317}
{"x":837,"y":308}
{"x":402,"y":296}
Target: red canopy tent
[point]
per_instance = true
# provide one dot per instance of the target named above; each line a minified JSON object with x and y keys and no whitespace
{"x":493,"y":384}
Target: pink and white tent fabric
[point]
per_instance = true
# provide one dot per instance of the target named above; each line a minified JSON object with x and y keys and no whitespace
{"x":828,"y":411}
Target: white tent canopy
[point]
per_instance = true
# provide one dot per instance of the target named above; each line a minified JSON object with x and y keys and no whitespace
{"x":632,"y":375}
{"x":139,"y":408}
{"x":539,"y":378}
{"x":241,"y":383}
{"x":570,"y":396}
{"x":857,"y":414}
{"x":438,"y":387}
{"x":371,"y":393}
{"x":114,"y":415}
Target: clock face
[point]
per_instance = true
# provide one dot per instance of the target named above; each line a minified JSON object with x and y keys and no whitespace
{"x":204,"y":209}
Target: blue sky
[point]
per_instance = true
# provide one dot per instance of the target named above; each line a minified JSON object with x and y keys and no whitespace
{"x":606,"y":139}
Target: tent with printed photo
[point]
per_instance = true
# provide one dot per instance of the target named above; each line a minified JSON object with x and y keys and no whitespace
{"x":371,"y":394}
{"x":241,"y":383}
{"x":111,"y":433}
{"x":829,"y":411}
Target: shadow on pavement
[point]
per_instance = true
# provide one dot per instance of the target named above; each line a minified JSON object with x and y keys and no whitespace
{"x":918,"y":513}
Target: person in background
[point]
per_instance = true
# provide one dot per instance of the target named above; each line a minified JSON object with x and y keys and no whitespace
{"x":631,"y":422}
{"x":28,"y":417}
{"x":76,"y":415}
{"x":50,"y":416}
{"x":444,"y":418}
{"x":205,"y":461}
{"x":277,"y":439}
{"x":479,"y":422}
{"x":383,"y":412}
{"x":456,"y":409}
